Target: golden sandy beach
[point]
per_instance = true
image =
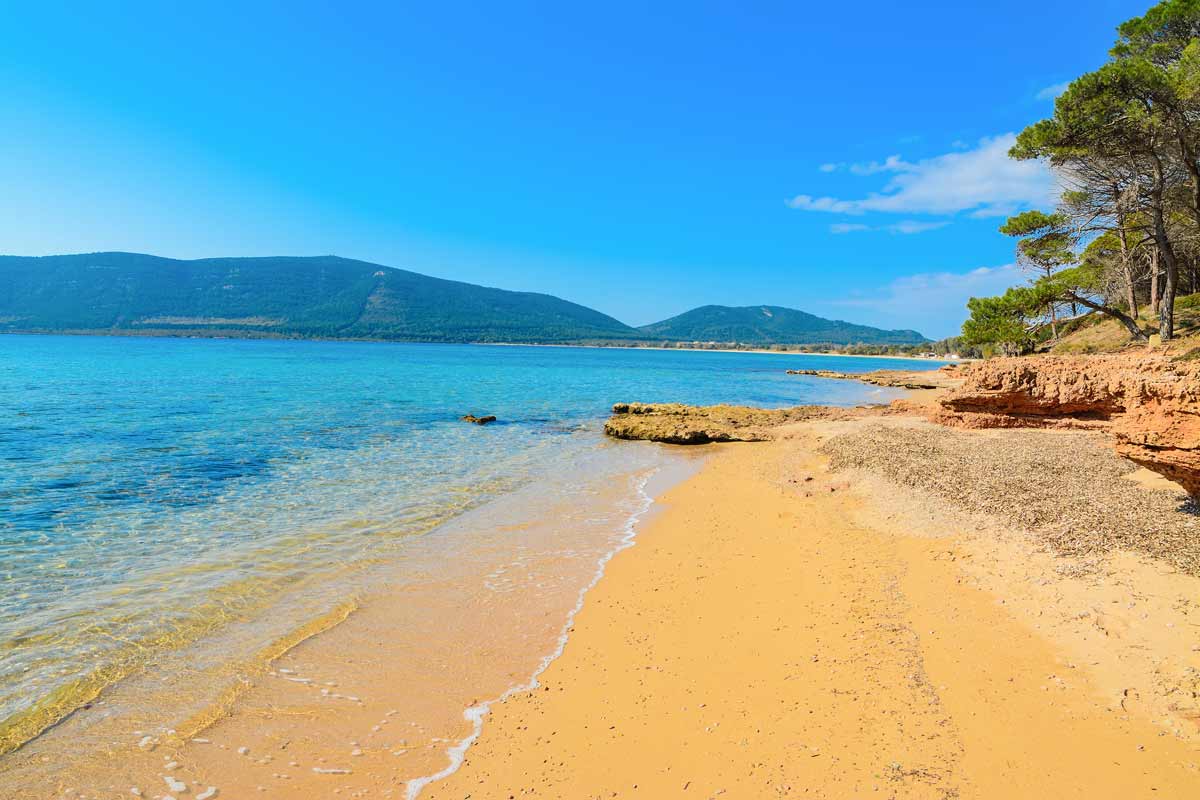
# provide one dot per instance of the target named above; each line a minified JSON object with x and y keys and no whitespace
{"x":760,"y":641}
{"x":778,"y":630}
{"x":349,"y":448}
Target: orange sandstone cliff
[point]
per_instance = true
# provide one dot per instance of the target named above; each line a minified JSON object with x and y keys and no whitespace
{"x":1147,"y":401}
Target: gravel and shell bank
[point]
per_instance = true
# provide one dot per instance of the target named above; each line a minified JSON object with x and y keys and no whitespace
{"x":1066,"y":487}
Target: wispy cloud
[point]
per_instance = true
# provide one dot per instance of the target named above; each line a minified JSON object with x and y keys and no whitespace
{"x":983,"y":181}
{"x":1051,"y":92}
{"x":924,"y":287}
{"x":805,"y":202}
{"x":889,"y":164}
{"x":848,"y":227}
{"x":910,"y":226}
{"x":934,"y":303}
{"x":907,"y":227}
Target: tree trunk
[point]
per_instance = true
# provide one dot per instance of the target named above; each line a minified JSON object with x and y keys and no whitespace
{"x":1166,"y":312}
{"x":1193,"y":169}
{"x":1053,"y":309}
{"x":1188,"y":156}
{"x":1127,"y":266}
{"x":1129,"y":322}
{"x":1154,"y":281}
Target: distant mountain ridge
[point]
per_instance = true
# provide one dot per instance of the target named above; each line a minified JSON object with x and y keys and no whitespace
{"x":334,"y":297}
{"x":770,"y":325}
{"x":320,"y":296}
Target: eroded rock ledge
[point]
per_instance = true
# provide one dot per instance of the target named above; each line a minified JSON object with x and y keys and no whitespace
{"x":1149,"y":403}
{"x":675,"y":423}
{"x":944,"y":378}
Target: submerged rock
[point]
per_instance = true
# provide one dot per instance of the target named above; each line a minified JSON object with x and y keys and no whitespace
{"x":478,"y":420}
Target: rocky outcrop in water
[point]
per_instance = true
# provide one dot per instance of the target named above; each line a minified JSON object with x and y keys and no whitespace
{"x":674,"y":423}
{"x":1148,"y":402}
{"x":478,"y":420}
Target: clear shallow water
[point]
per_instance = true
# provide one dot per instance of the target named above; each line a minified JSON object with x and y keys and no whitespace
{"x":154,"y":492}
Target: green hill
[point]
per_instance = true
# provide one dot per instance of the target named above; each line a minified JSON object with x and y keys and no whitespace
{"x":765,"y":325}
{"x":328,"y":296}
{"x":323,"y":296}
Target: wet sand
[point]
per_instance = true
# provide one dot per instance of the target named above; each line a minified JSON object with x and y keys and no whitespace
{"x":362,"y":701}
{"x":767,"y":639}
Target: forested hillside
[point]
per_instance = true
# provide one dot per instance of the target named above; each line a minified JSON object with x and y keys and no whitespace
{"x":322,"y":296}
{"x":764,"y":325}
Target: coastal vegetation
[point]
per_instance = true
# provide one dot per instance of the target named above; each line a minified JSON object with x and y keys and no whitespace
{"x":341,"y":298}
{"x":1124,"y":240}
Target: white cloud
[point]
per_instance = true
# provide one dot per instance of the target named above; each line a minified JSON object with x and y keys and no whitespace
{"x":848,"y":227}
{"x":934,"y":303}
{"x":889,"y":164}
{"x":907,"y":227}
{"x":983,"y":181}
{"x":1051,"y":92}
{"x":910,"y":226}
{"x":806,"y":202}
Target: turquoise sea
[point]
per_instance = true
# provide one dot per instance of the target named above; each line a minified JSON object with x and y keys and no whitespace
{"x":158,"y":492}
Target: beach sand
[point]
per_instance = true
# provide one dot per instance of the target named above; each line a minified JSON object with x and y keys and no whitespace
{"x":778,"y":630}
{"x":762,"y":641}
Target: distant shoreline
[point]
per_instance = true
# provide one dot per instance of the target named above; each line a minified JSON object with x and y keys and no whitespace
{"x":266,"y":336}
{"x":731,"y":350}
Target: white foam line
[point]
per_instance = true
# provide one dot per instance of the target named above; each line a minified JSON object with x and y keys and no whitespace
{"x":476,"y":713}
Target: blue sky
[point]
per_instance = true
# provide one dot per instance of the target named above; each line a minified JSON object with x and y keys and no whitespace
{"x":845,"y":160}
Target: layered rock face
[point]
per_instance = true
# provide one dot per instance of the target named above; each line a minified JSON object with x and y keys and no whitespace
{"x":1149,"y":403}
